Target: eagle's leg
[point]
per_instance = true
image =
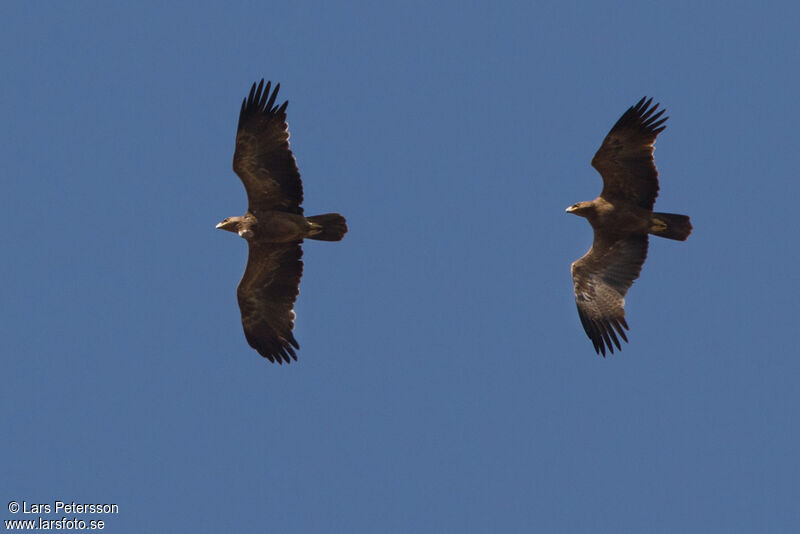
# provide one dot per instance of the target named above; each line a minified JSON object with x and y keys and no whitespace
{"x":314,"y":228}
{"x":657,"y":225}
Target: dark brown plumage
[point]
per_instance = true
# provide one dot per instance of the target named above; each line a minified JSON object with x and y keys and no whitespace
{"x":274,"y":225}
{"x":622,"y":217}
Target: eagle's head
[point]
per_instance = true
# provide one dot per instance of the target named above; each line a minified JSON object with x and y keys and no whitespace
{"x":581,"y":208}
{"x":237,"y":225}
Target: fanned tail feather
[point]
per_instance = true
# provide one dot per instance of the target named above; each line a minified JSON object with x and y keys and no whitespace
{"x":671,"y":226}
{"x":327,"y":227}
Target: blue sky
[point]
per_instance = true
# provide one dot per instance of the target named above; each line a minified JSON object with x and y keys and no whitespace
{"x":444,"y":381}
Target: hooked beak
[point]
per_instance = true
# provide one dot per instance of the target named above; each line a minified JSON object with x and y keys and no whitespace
{"x":568,"y":210}
{"x":219,"y":225}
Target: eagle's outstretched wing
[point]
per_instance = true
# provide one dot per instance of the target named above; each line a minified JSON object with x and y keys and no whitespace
{"x":263,"y":159}
{"x":625,"y":159}
{"x":266,"y":295}
{"x":601,"y":278}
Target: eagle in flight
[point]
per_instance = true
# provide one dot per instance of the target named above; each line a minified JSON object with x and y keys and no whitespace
{"x":274,"y":225}
{"x":622,"y":218}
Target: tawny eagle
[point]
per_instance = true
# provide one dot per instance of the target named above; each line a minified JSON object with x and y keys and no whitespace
{"x":274,"y":225}
{"x":622,"y":217}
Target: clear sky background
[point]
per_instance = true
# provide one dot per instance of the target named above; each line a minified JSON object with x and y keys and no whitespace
{"x":444,"y":383}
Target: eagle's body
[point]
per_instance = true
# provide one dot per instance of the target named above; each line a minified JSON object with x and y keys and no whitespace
{"x":622,"y":218}
{"x":618,"y":220}
{"x":270,"y":227}
{"x":274,"y":225}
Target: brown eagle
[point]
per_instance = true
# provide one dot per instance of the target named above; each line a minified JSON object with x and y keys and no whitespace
{"x":274,"y":225}
{"x":622,"y":217}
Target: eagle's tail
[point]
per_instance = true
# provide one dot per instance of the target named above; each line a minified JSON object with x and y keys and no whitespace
{"x":328,"y":227}
{"x":671,"y":226}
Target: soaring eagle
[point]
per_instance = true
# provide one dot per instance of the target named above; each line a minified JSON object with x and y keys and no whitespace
{"x":622,"y":217}
{"x":274,"y":225}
